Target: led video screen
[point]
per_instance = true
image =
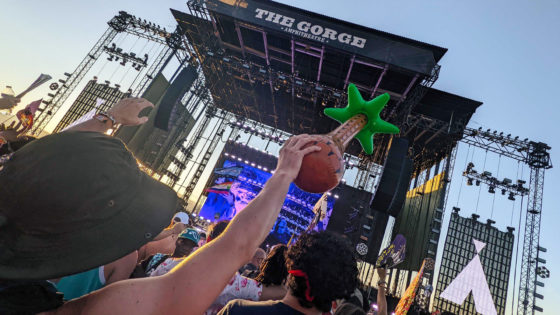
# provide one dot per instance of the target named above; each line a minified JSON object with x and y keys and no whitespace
{"x":235,"y":184}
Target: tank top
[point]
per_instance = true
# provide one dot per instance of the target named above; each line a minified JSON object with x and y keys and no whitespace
{"x":81,"y":284}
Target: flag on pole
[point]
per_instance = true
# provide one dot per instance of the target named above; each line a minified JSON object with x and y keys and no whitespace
{"x":222,"y":188}
{"x":26,"y":115}
{"x":410,"y":293}
{"x":40,"y":80}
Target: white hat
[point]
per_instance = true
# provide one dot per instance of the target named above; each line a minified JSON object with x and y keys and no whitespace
{"x":182,"y":216}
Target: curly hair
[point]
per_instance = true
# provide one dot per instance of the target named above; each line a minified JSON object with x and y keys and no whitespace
{"x":328,"y":260}
{"x":216,"y":230}
{"x":273,"y":268}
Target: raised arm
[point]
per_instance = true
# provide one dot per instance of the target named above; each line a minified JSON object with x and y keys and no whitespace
{"x":125,"y":112}
{"x":194,"y":284}
{"x":176,"y":229}
{"x":381,"y":291}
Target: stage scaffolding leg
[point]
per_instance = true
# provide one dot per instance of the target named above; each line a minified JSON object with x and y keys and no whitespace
{"x":47,"y":112}
{"x":539,"y":159}
{"x":206,"y":156}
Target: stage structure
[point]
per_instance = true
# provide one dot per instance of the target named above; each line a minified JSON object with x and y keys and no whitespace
{"x":470,"y":244}
{"x":268,"y":70}
{"x":146,"y":66}
{"x":265,"y":74}
{"x":278,"y":80}
{"x":94,"y":96}
{"x":284,"y":80}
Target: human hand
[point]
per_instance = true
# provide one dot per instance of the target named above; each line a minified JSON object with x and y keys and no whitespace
{"x":382,"y":273}
{"x":291,"y":155}
{"x":8,"y":101}
{"x":12,"y":132}
{"x":126,"y":111}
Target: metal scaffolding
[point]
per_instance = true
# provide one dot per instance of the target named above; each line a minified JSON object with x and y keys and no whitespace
{"x":123,"y":22}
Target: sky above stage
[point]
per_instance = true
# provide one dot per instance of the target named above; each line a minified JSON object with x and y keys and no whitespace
{"x":503,"y":53}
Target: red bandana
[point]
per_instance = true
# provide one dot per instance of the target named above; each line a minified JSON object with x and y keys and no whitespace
{"x":301,"y":273}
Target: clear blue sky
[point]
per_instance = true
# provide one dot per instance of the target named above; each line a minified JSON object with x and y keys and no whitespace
{"x":504,"y":53}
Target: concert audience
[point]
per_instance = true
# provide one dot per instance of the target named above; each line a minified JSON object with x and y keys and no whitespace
{"x":164,"y":243}
{"x":240,"y":287}
{"x":273,"y":269}
{"x":252,"y":268}
{"x":160,"y":264}
{"x":315,"y":264}
{"x":195,"y":283}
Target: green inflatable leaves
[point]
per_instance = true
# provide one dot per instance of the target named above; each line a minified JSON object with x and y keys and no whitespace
{"x":357,"y":105}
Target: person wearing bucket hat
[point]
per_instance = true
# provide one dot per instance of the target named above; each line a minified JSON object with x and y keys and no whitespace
{"x":71,"y":194}
{"x":190,"y":288}
{"x":160,"y":264}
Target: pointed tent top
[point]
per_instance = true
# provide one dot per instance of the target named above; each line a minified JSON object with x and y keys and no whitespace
{"x":357,"y":105}
{"x":479,"y":245}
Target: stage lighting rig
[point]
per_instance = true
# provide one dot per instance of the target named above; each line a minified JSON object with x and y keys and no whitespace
{"x":505,"y":185}
{"x":116,"y":53}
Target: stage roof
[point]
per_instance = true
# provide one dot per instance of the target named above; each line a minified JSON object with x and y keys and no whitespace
{"x":284,"y":77}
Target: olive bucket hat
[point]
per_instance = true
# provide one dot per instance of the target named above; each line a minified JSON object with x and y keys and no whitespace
{"x":73,"y":201}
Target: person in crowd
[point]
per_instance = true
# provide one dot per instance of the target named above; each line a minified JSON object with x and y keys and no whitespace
{"x":273,"y":269}
{"x":85,"y":282}
{"x":202,"y":239}
{"x":181,"y":217}
{"x":8,"y":101}
{"x":252,"y":268}
{"x":216,"y":230}
{"x":12,"y":138}
{"x":165,"y":242}
{"x":160,"y":264}
{"x":348,"y":308}
{"x":356,"y":299}
{"x":240,"y":287}
{"x":315,"y":264}
{"x":128,"y":209}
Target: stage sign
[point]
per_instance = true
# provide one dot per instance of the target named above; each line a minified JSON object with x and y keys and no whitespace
{"x":343,"y":35}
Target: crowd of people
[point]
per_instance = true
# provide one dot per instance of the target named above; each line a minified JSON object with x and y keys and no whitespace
{"x":84,"y":231}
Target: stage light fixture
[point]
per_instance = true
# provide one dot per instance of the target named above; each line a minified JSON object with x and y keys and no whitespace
{"x":491,"y":189}
{"x":335,"y":196}
{"x":477,"y":182}
{"x":543,"y":272}
{"x":265,"y":169}
{"x":469,"y":182}
{"x":511,"y":196}
{"x":503,"y":191}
